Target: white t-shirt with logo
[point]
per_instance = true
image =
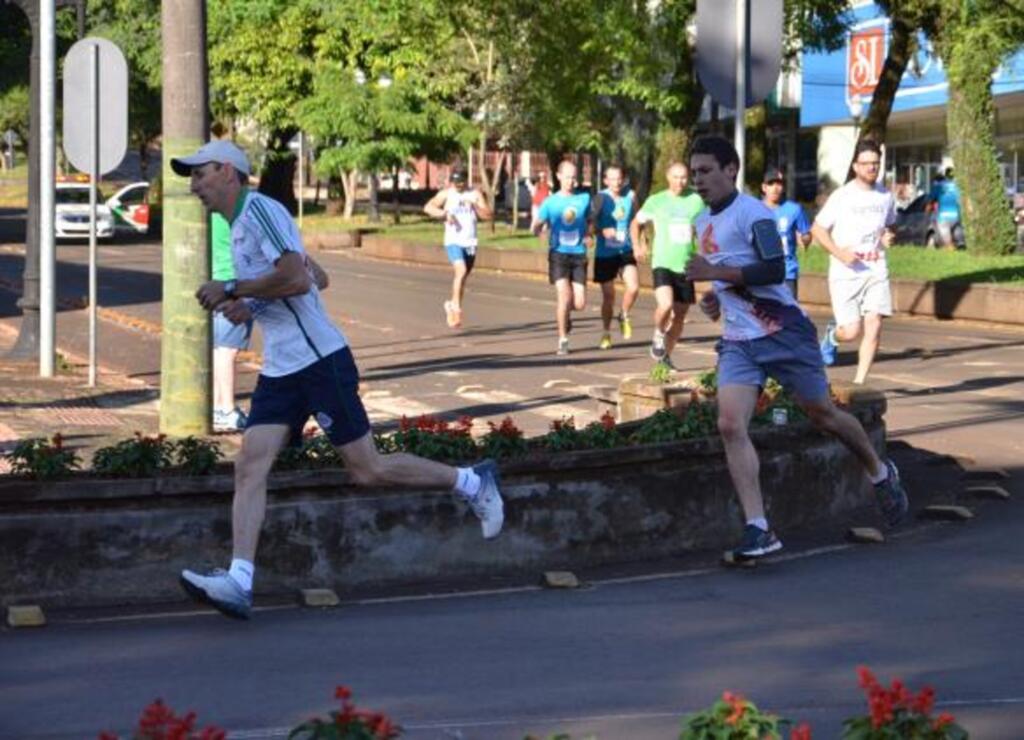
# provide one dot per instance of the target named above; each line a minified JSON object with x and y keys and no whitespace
{"x":727,"y":238}
{"x":856,"y":218}
{"x":459,"y":208}
{"x":296,"y":330}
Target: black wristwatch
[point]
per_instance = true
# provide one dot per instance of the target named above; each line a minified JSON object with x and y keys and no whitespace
{"x":229,"y":288}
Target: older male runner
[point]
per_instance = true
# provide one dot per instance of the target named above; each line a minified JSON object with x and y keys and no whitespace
{"x":308,"y":370}
{"x":613,"y":210}
{"x":765,"y":334}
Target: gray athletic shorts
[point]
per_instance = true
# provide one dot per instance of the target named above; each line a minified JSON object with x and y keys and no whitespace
{"x":790,"y":355}
{"x":226,"y":334}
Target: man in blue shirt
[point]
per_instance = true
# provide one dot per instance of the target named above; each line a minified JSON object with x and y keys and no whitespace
{"x":564,"y":215}
{"x":790,"y":220}
{"x":613,"y":209}
{"x":946,"y":196}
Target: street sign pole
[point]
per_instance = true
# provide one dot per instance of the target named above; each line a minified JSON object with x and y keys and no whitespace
{"x":94,"y":176}
{"x":47,"y":164}
{"x":740,"y":130}
{"x":302,"y":173}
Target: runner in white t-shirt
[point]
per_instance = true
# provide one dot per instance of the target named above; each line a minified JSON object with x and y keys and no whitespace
{"x":308,"y":370}
{"x":854,"y":226}
{"x":766,"y":334}
{"x":460,"y":208}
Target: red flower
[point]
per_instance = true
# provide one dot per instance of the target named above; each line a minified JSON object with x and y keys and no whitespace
{"x":943,"y":720}
{"x":801,"y":732}
{"x":107,"y":736}
{"x":343,"y":692}
{"x":865,"y":678}
{"x":608,"y":421}
{"x":924,"y":702}
{"x":404,"y":424}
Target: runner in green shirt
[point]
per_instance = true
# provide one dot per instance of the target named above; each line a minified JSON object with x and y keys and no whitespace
{"x":670,"y":213}
{"x":228,"y":338}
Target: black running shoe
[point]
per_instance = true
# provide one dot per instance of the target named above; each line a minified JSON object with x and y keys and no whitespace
{"x":756,"y":543}
{"x":892,"y":497}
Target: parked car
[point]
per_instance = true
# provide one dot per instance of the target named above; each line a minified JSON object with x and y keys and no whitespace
{"x":915,"y":224}
{"x":71,"y":218}
{"x":130,"y":206}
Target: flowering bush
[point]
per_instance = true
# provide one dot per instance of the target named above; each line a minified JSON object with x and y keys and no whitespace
{"x":159,"y":722}
{"x":139,"y":457}
{"x":897,"y":712}
{"x":197,"y":456}
{"x":41,"y":459}
{"x":435,"y":438}
{"x":734,"y":718}
{"x":503,"y":440}
{"x":348,"y":724}
{"x":696,"y":420}
{"x":315,"y":451}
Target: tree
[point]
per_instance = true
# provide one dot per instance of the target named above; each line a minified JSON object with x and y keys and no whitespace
{"x":974,"y":38}
{"x":185,"y":391}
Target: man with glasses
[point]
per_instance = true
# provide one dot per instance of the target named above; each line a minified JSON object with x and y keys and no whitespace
{"x":854,"y":226}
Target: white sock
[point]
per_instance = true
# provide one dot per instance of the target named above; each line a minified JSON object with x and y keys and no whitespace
{"x":881,"y":475}
{"x":759,"y":522}
{"x":467,"y":483}
{"x":242,"y":571}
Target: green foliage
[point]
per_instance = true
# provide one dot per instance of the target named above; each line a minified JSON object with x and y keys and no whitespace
{"x":14,"y":112}
{"x":349,"y":723}
{"x":707,"y":380}
{"x":732,"y":718}
{"x":436,"y":439}
{"x":139,"y":457}
{"x":197,"y":456}
{"x":661,"y":373}
{"x":42,"y":459}
{"x":697,"y":420}
{"x":315,"y":451}
{"x":895,"y":713}
{"x":503,"y":440}
{"x":915,"y":263}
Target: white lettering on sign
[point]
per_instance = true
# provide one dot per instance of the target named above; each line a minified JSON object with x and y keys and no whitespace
{"x":865,"y":57}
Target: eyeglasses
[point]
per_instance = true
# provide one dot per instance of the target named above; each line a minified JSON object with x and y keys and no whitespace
{"x":872,"y":163}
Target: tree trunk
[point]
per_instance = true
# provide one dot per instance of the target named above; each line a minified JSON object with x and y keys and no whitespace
{"x":876,"y":122}
{"x":374,"y":212}
{"x":349,"y":183}
{"x":144,"y":160}
{"x":984,"y":211}
{"x":756,"y":122}
{"x":672,"y":144}
{"x":185,"y":389}
{"x":515,"y":190}
{"x":278,"y":177}
{"x":396,"y":205}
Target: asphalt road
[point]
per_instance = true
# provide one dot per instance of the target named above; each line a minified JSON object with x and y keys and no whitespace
{"x":939,"y":604}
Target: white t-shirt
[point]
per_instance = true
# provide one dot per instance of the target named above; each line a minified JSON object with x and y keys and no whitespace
{"x":459,"y":206}
{"x":856,"y":218}
{"x":296,"y":330}
{"x":726,"y":238}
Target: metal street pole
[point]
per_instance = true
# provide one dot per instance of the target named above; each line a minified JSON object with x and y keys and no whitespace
{"x":47,"y":165}
{"x":740,"y":132}
{"x":302,"y":173}
{"x":94,"y":176}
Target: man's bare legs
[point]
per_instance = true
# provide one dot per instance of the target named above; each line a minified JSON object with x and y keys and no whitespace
{"x":869,"y":331}
{"x":570,"y":297}
{"x":224,"y":378}
{"x":675,"y":327}
{"x":824,"y":415}
{"x":608,"y":304}
{"x":458,"y":283}
{"x":736,"y":404}
{"x":260,"y":445}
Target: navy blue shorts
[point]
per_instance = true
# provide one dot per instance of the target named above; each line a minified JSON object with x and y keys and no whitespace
{"x":790,"y":355}
{"x":327,"y":390}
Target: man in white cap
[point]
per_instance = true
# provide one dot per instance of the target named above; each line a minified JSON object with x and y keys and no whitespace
{"x":308,"y":370}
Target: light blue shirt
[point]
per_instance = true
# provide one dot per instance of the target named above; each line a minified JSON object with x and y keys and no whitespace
{"x":566,"y":217}
{"x":615,"y":213}
{"x":790,"y":221}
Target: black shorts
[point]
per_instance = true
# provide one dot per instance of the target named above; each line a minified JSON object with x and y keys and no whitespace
{"x":682,"y":289}
{"x":327,"y":390}
{"x":567,"y":266}
{"x":608,"y":268}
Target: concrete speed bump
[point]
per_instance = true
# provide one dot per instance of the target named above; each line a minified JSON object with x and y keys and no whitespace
{"x":320,"y":598}
{"x":992,"y":492}
{"x":986,"y":474}
{"x":559,"y":579}
{"x":865,"y":535}
{"x":947,"y":513}
{"x":25,"y":616}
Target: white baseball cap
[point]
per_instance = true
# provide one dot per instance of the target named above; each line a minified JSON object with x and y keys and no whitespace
{"x":217,"y":150}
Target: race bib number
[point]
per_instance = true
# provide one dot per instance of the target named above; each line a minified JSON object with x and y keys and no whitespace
{"x":679,"y":232}
{"x":568,"y":238}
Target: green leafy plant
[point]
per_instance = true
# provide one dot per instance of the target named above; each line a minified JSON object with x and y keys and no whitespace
{"x":42,"y":459}
{"x":734,"y":718}
{"x":562,"y":436}
{"x":707,"y":381}
{"x":697,"y":420}
{"x":660,"y":373}
{"x":314,"y":451}
{"x":197,"y":456}
{"x":159,"y":722}
{"x":350,"y":723}
{"x":896,"y":712}
{"x":504,"y":440}
{"x":139,"y":457}
{"x":602,"y":434}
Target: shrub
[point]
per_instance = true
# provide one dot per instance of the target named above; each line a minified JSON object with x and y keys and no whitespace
{"x":159,"y":722}
{"x":139,"y":457}
{"x":503,"y":440}
{"x":661,"y":373}
{"x":734,"y":718}
{"x":436,"y":439}
{"x":197,"y":456}
{"x":561,"y":437}
{"x":348,"y":724}
{"x":897,"y":712}
{"x":698,"y":420}
{"x":602,"y":434}
{"x":314,"y":451}
{"x":42,"y":459}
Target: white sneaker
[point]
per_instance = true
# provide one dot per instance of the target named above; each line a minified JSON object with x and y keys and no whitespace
{"x":563,"y":346}
{"x":487,"y":504}
{"x":219,"y":590}
{"x":229,"y":421}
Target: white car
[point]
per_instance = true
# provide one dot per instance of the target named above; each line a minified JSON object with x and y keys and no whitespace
{"x":72,"y":213}
{"x":130,"y":206}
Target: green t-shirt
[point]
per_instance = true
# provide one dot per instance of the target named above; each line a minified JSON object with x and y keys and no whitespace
{"x":673,"y":217}
{"x":220,"y":248}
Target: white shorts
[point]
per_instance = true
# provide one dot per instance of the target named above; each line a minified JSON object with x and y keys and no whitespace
{"x":853,"y":299}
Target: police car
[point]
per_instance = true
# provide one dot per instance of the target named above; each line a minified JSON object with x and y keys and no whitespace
{"x":72,"y":211}
{"x":130,"y":206}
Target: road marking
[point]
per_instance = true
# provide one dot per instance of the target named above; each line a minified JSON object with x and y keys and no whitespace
{"x":395,"y":407}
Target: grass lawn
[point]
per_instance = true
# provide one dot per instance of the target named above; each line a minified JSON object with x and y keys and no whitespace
{"x":423,"y":230}
{"x":917,"y":263}
{"x":14,"y":187}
